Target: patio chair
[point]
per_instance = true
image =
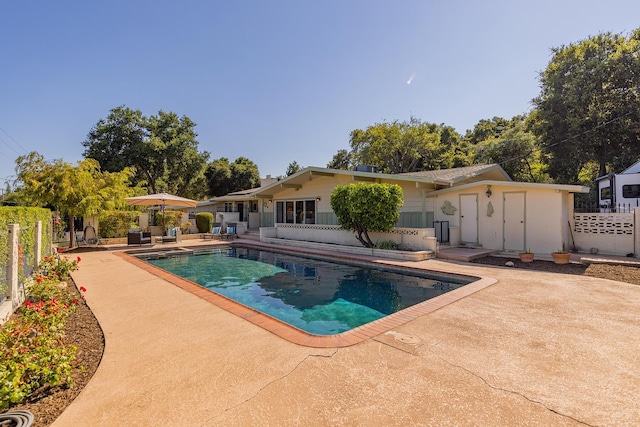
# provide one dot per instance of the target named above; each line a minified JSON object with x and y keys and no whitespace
{"x":216,"y":229}
{"x":173,"y":235}
{"x":89,"y":237}
{"x":232,"y":231}
{"x":138,"y":237}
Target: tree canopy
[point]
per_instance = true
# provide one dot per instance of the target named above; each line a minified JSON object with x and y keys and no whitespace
{"x":162,"y":149}
{"x":293,"y":168}
{"x":343,"y":159}
{"x":401,"y":147}
{"x":364,"y":207}
{"x":511,"y":144}
{"x":224,"y":177}
{"x":80,"y":190}
{"x":589,"y":106}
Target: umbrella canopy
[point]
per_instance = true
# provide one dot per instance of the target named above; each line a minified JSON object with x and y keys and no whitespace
{"x":162,"y":199}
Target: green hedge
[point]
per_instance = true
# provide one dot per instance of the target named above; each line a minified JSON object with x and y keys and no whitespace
{"x":117,"y":223}
{"x":26,"y":218}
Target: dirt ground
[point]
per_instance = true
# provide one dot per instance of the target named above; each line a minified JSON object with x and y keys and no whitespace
{"x":84,"y":332}
{"x":621,"y":273}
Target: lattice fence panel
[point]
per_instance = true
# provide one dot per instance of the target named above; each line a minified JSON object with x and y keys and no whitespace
{"x":604,"y":223}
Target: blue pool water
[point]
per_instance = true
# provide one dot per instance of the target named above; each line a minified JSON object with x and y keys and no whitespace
{"x":314,"y":295}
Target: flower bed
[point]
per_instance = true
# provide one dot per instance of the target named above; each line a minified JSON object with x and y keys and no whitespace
{"x":33,"y":354}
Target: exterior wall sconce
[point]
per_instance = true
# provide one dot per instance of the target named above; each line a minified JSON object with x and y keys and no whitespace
{"x":318,"y":199}
{"x":269,"y":201}
{"x":488,"y":192}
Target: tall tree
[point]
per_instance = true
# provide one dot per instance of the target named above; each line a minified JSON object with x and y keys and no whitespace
{"x":589,"y":106}
{"x":162,"y":149}
{"x":341,"y":160}
{"x":224,"y":177}
{"x":511,"y":144}
{"x":81,"y":190}
{"x":293,"y":168}
{"x":400,"y":147}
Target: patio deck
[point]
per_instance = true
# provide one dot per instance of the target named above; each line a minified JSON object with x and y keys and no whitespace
{"x":532,"y":349}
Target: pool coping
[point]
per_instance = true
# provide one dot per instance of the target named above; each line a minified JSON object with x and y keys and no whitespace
{"x":303,"y":338}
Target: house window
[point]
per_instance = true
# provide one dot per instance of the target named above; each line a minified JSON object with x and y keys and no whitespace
{"x":279,"y":212}
{"x":296,"y":212}
{"x":631,"y":191}
{"x":289,"y":212}
{"x":192,"y":215}
{"x":228,"y":206}
{"x":605,"y":193}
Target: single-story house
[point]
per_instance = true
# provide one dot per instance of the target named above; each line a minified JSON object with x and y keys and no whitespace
{"x":476,"y":205}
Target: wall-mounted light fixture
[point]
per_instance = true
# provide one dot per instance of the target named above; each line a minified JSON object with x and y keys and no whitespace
{"x":269,"y":201}
{"x":318,"y":199}
{"x":488,"y":192}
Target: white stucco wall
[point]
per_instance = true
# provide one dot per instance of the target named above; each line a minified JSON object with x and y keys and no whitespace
{"x":546,"y":216}
{"x":323,"y":187}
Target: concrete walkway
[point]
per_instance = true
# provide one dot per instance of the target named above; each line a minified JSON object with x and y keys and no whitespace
{"x":532,"y":349}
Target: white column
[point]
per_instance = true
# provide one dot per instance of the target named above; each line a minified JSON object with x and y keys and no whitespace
{"x":636,"y":232}
{"x":37,"y":250}
{"x":12,"y":265}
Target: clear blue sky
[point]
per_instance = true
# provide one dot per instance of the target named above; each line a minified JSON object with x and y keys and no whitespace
{"x":276,"y":81}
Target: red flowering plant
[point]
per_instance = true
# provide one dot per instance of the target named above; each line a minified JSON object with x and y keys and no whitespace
{"x":33,"y":354}
{"x":56,"y":266}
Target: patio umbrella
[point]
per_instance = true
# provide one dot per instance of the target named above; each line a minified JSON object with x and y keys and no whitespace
{"x":162,"y":200}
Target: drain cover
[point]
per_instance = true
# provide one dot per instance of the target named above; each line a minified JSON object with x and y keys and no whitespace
{"x":404,"y":338}
{"x":407,"y":339}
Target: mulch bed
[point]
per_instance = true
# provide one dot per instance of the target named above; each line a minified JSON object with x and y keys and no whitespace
{"x":83,"y":331}
{"x":621,"y":273}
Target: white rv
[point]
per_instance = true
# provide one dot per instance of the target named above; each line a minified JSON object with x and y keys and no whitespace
{"x":620,"y":192}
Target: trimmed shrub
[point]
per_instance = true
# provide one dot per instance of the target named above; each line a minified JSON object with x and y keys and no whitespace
{"x":117,"y":223}
{"x":204,"y":222}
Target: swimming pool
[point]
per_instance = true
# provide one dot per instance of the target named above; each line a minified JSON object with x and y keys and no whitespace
{"x":316,"y":295}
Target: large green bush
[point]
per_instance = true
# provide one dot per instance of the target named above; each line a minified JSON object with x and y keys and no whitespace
{"x":363,"y":207}
{"x":169,"y":219}
{"x":204,"y":222}
{"x":117,"y":223}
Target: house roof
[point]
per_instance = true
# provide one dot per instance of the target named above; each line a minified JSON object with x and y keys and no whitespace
{"x":429,"y":179}
{"x":533,"y":185}
{"x":432,"y":180}
{"x":455,"y":175}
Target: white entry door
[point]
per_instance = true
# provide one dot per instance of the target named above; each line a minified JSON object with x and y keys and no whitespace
{"x":514,"y":221}
{"x":469,"y":218}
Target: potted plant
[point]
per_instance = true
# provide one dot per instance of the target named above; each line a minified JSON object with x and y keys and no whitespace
{"x":526,"y":256}
{"x":561,"y":256}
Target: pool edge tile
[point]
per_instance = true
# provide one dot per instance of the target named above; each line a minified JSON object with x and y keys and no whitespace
{"x":299,"y":337}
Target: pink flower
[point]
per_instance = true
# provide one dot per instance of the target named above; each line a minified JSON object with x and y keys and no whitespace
{"x":75,"y":301}
{"x":59,"y":250}
{"x":79,"y":259}
{"x":39,"y":279}
{"x":83,"y":289}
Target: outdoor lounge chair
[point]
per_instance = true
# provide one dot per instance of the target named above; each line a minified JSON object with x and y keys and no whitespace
{"x":232,"y":231}
{"x":216,"y":229}
{"x":172,"y":235}
{"x":138,"y":237}
{"x":89,"y":237}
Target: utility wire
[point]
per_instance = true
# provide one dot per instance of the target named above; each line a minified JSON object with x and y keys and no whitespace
{"x":16,"y":142}
{"x":569,"y":138}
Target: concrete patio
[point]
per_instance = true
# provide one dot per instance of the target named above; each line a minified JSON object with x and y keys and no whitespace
{"x":531,"y":349}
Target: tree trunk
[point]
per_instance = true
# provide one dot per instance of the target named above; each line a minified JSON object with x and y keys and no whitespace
{"x":72,"y":232}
